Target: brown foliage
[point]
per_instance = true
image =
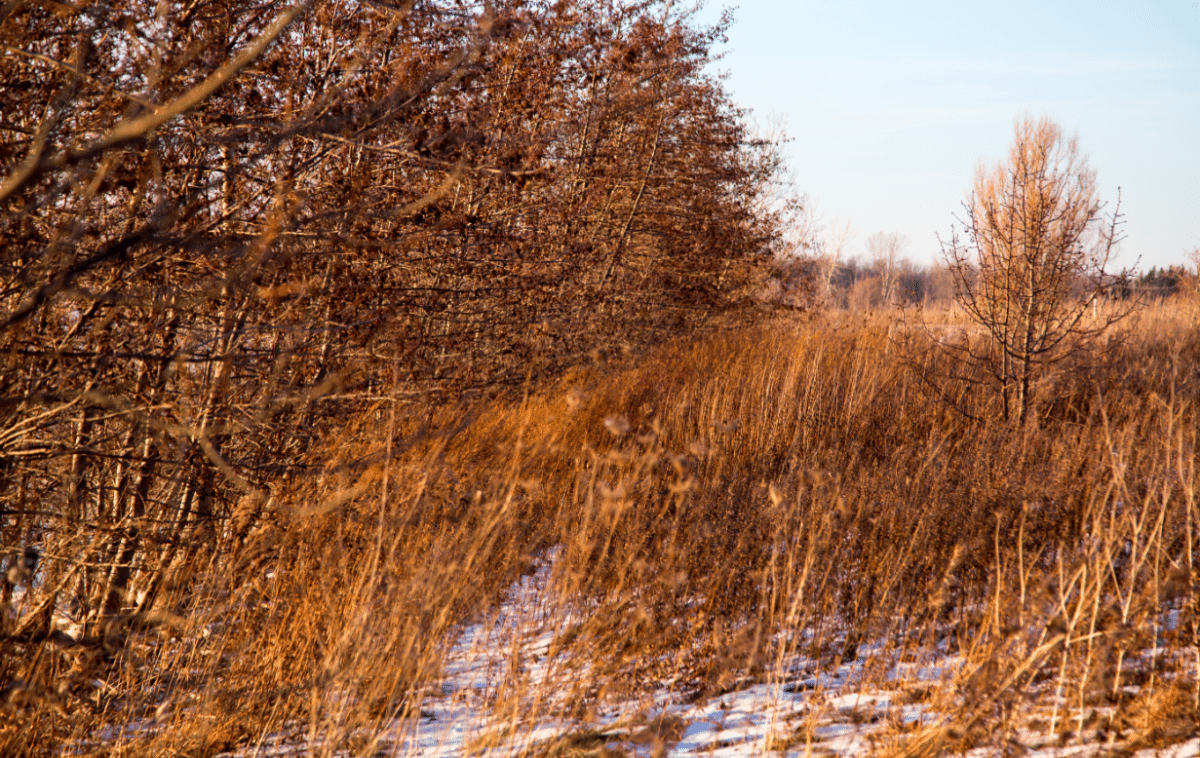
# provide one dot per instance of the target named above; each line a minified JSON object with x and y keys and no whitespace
{"x":227,"y":230}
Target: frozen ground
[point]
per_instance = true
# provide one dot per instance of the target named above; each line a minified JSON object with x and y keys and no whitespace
{"x":839,"y":710}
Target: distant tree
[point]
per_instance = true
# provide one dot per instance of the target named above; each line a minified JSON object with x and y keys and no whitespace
{"x":1192,"y":283}
{"x":1034,"y":261}
{"x":822,"y":247}
{"x":865,"y":294}
{"x":939,"y":286}
{"x":912,"y":283}
{"x":884,"y":250}
{"x":1162,"y":283}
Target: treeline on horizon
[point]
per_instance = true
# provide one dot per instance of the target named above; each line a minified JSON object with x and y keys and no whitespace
{"x":861,"y":283}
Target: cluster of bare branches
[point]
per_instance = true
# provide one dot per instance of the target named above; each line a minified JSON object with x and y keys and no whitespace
{"x":1034,"y":264}
{"x":225,"y":226}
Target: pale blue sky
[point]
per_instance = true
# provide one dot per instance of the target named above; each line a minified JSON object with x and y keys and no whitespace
{"x":893,"y":105}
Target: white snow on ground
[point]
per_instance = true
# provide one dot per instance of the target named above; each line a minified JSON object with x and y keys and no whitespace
{"x":1182,"y":750}
{"x":832,"y":712}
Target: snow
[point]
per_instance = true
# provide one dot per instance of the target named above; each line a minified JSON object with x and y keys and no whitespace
{"x":804,"y":709}
{"x":1187,"y":749}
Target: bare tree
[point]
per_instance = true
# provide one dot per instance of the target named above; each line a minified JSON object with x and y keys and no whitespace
{"x":1034,"y":261}
{"x":828,"y":248}
{"x":884,"y":250}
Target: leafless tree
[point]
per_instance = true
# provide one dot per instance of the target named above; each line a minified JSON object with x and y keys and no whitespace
{"x":1033,"y":261}
{"x":828,"y":248}
{"x":884,"y":250}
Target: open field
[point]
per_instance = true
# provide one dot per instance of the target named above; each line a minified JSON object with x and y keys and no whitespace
{"x":799,"y":523}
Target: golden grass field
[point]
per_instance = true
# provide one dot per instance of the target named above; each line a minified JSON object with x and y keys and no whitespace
{"x":705,"y":513}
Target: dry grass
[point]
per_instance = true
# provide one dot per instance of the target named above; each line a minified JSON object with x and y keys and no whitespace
{"x":711,"y":510}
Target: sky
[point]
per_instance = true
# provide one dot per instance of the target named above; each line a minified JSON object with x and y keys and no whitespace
{"x":892,"y":106}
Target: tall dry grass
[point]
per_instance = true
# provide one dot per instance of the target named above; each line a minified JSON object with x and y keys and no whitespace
{"x":709,"y":510}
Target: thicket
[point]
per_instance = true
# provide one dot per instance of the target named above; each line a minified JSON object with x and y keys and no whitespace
{"x":229,"y":230}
